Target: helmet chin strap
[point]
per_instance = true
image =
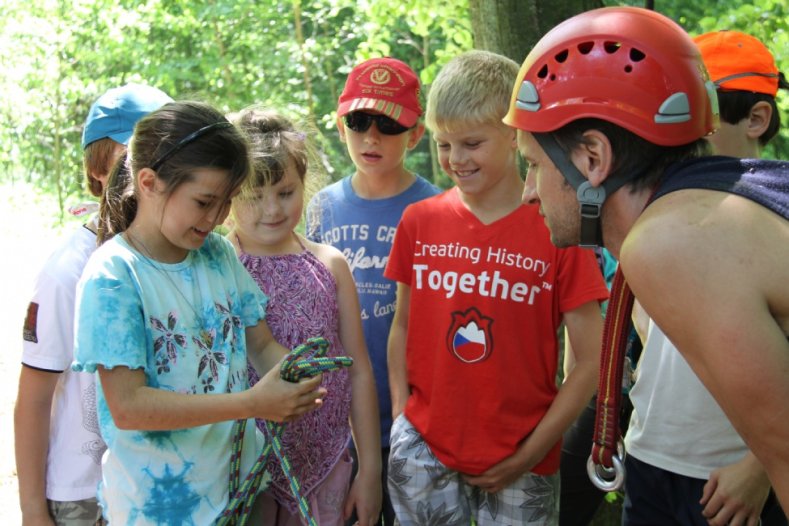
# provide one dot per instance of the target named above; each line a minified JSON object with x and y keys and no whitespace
{"x":591,"y":198}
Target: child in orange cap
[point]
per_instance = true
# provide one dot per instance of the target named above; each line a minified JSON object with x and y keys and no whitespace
{"x":747,"y":81}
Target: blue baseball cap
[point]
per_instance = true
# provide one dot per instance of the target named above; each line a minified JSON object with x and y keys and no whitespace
{"x":118,"y":110}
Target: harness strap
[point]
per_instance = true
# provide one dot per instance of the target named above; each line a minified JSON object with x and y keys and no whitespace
{"x":590,"y":198}
{"x":305,"y":361}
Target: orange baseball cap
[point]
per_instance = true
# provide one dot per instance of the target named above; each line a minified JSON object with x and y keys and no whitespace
{"x":383,"y":85}
{"x":738,"y":62}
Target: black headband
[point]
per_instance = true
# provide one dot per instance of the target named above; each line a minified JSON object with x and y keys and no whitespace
{"x":187,"y":140}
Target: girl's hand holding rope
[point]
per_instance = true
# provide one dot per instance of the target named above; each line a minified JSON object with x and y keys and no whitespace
{"x":278,"y":400}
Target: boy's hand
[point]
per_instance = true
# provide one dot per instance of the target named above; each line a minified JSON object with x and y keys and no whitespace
{"x":273,"y":398}
{"x":499,"y":476}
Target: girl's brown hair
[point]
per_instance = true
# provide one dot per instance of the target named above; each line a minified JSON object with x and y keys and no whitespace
{"x":275,"y":142}
{"x":118,"y":204}
{"x":175,"y":140}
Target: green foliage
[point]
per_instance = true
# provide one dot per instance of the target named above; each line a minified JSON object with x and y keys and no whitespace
{"x":58,"y":56}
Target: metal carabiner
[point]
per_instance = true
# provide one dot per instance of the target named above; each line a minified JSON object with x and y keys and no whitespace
{"x":608,"y":479}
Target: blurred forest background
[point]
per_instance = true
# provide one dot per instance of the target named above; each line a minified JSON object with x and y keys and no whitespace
{"x":58,"y":56}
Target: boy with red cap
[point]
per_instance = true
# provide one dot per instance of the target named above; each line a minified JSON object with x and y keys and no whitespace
{"x":378,"y":119}
{"x":706,"y":469}
{"x":613,"y":107}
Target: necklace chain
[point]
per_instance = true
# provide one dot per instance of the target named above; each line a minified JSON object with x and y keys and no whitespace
{"x":140,"y":247}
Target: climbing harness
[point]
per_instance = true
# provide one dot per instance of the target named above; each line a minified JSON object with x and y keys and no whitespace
{"x":305,"y":361}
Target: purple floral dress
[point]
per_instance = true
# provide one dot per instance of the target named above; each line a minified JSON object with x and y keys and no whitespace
{"x":303,"y":304}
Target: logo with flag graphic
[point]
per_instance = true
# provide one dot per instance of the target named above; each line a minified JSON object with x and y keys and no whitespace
{"x":469,"y":337}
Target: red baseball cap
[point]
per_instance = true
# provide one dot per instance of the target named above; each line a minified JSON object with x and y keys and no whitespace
{"x":383,"y":85}
{"x":739,"y":62}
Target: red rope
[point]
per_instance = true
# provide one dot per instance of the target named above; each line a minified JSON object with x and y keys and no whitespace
{"x":618,"y":325}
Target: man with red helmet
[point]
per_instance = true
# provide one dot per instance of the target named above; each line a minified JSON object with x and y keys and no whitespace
{"x":613,"y":106}
{"x":705,"y":471}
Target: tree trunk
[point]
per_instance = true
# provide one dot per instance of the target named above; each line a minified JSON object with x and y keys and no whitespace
{"x":512,"y":27}
{"x":304,"y":63}
{"x":435,"y":168}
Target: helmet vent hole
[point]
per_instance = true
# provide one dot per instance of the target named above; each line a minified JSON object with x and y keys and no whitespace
{"x":628,"y":68}
{"x":612,"y":47}
{"x":637,"y":55}
{"x":543,"y":73}
{"x":561,"y":56}
{"x":585,"y":47}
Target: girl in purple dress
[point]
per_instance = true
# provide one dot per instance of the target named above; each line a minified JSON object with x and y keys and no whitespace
{"x":311,"y":293}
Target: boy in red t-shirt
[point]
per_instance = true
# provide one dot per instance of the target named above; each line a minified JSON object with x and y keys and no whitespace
{"x":473,"y":349}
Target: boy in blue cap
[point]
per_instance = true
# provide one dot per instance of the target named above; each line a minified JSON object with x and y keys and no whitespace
{"x":58,"y":447}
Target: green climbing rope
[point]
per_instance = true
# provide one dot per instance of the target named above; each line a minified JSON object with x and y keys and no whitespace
{"x":305,"y":361}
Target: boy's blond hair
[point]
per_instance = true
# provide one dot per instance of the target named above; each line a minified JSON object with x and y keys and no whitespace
{"x":473,"y":88}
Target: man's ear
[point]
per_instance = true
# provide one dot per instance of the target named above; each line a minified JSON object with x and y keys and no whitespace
{"x":759,"y":119}
{"x":415,"y":135}
{"x":594,"y":157}
{"x":341,"y":128}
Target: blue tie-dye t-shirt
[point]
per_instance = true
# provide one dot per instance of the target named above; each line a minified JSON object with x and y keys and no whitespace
{"x":183,"y":324}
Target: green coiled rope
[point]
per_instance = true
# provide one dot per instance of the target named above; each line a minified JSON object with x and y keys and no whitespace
{"x":305,"y":361}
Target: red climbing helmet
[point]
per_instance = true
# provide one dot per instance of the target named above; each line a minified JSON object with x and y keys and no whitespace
{"x":630,"y":66}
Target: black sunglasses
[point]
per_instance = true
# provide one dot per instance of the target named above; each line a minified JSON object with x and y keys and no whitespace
{"x":360,"y":122}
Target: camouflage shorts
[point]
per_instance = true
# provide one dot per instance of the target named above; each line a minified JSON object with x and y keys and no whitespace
{"x":76,"y":513}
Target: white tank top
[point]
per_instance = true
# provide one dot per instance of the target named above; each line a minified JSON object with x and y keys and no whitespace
{"x":676,"y":425}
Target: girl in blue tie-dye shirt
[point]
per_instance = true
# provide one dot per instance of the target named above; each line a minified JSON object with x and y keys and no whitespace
{"x":165,"y":315}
